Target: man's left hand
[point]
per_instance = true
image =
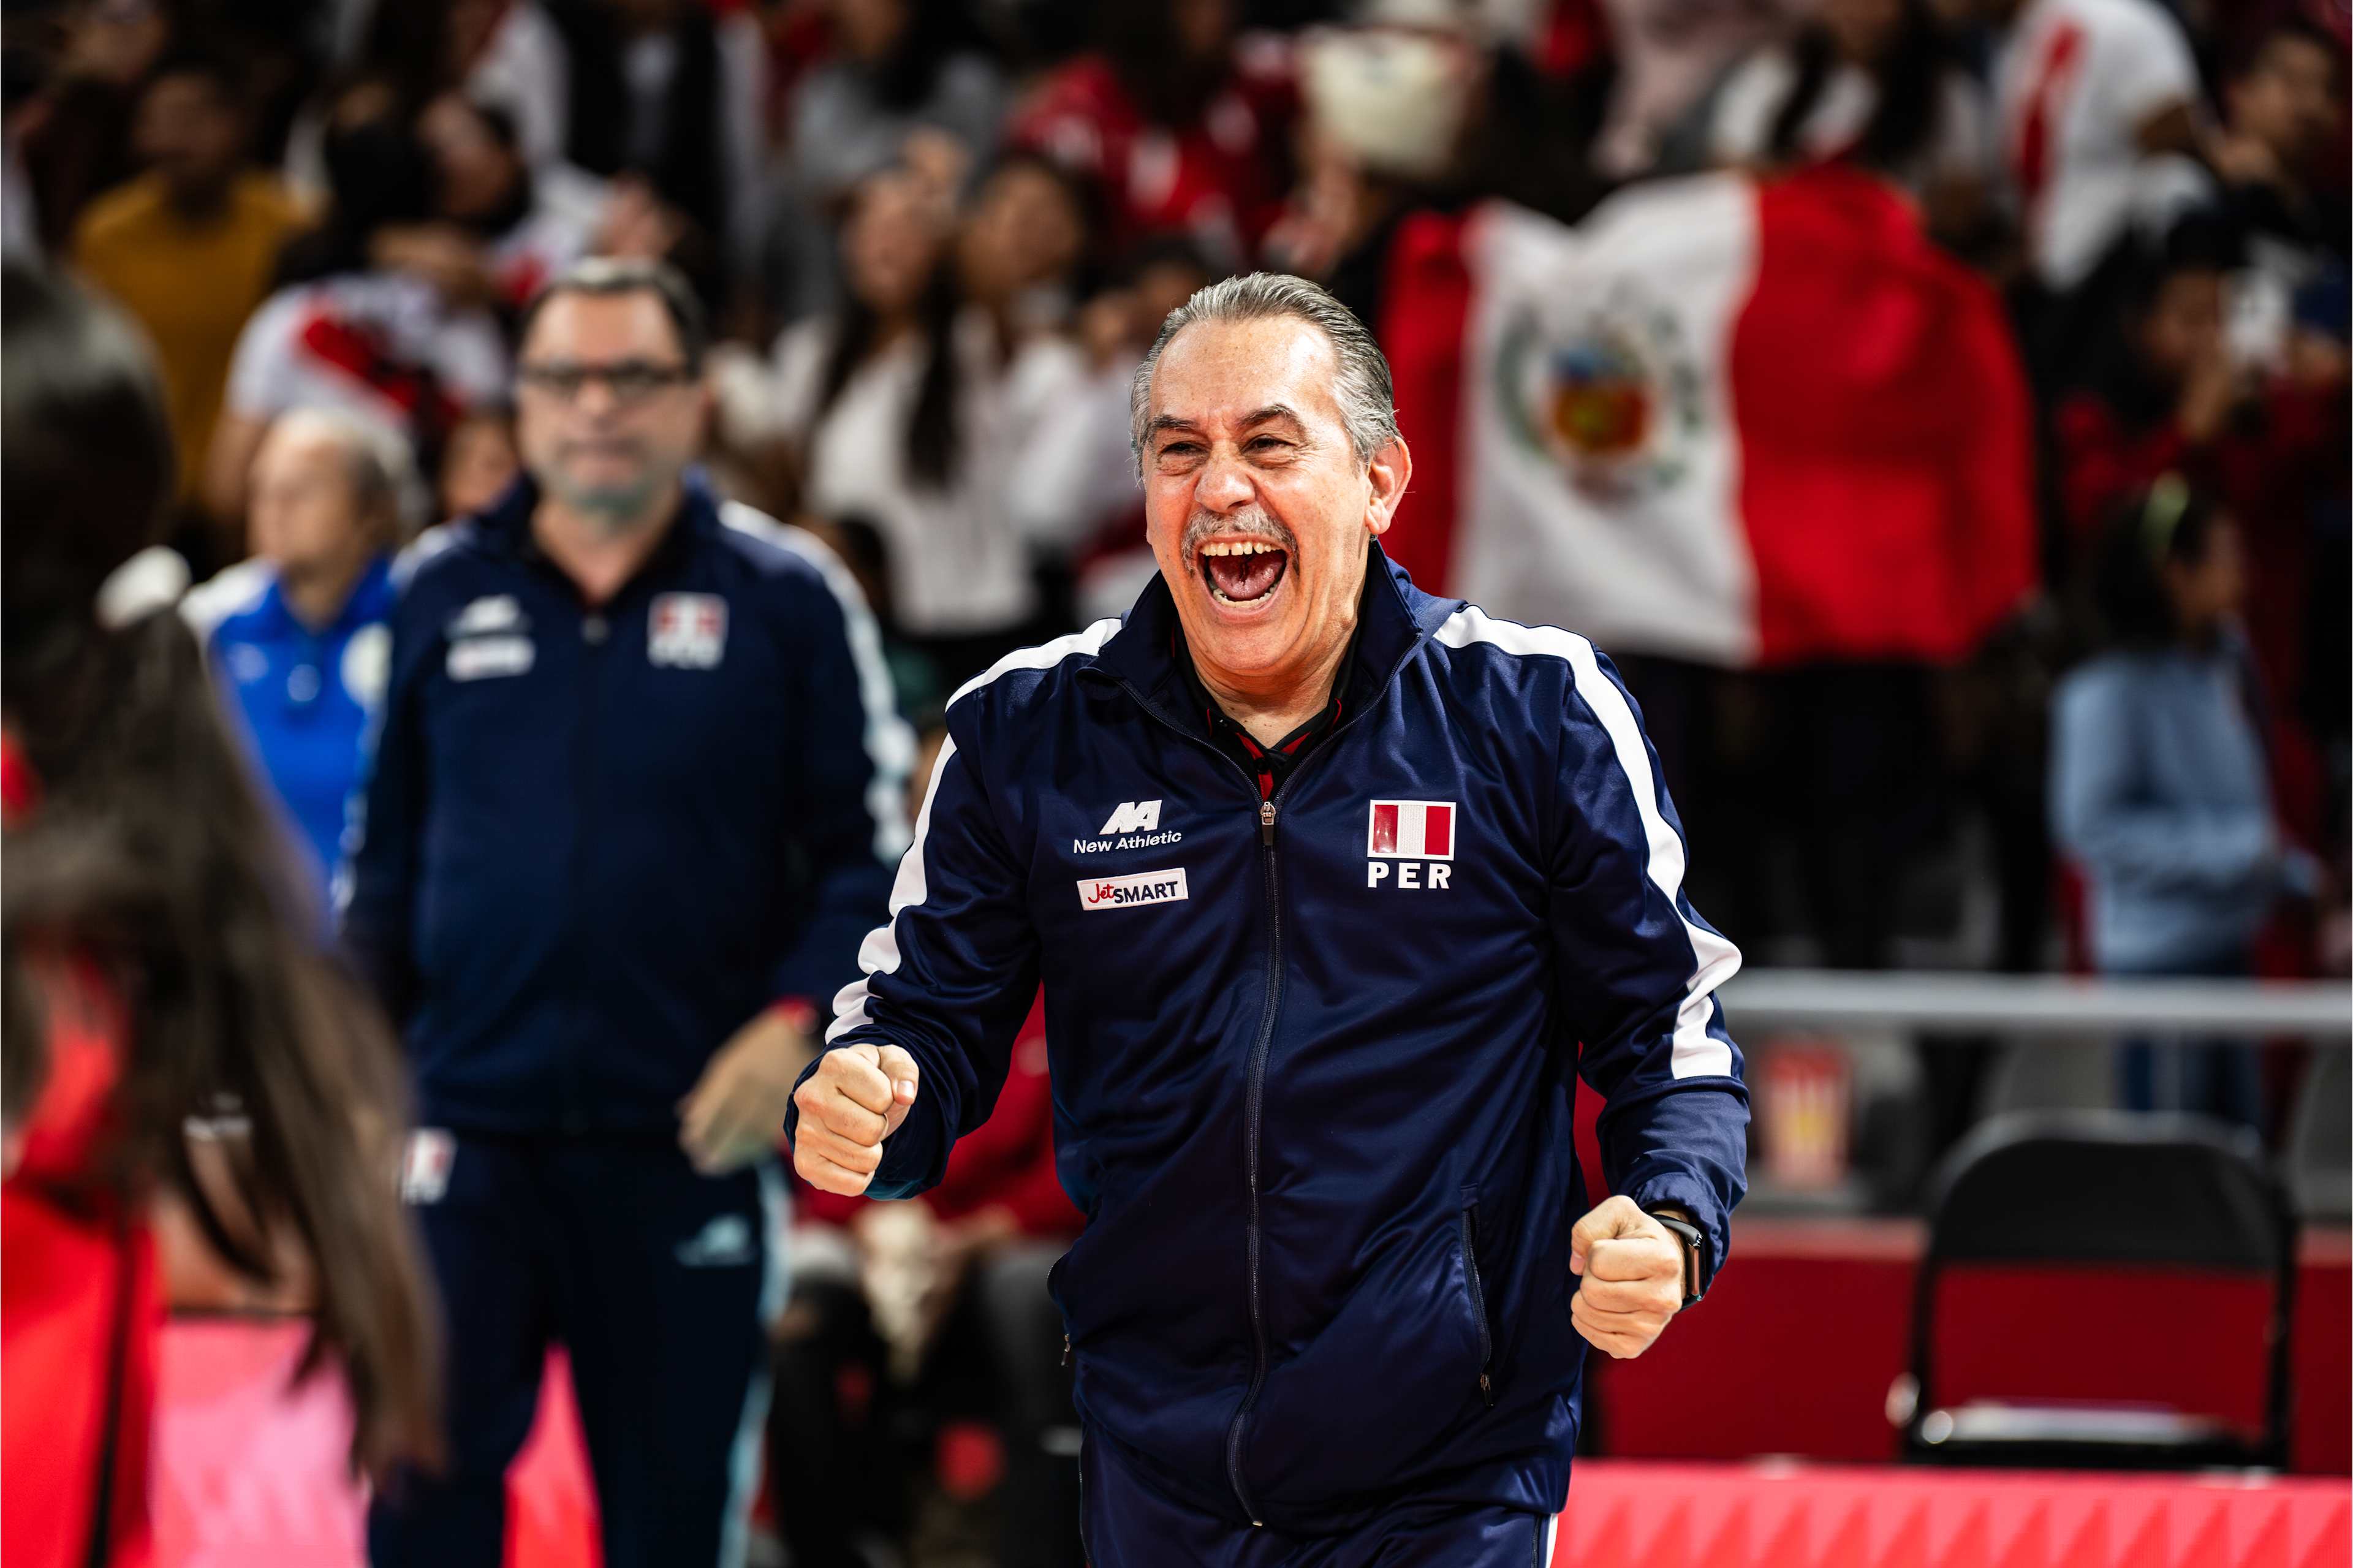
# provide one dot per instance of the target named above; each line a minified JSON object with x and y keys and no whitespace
{"x":1632,"y":1277}
{"x":736,"y":1112}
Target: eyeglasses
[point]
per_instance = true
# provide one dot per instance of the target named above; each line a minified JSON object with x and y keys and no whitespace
{"x":631,"y":381}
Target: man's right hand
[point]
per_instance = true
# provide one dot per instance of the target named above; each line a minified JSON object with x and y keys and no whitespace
{"x":856,"y":1098}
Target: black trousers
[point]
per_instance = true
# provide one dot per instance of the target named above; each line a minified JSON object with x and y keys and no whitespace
{"x":660,"y":1282}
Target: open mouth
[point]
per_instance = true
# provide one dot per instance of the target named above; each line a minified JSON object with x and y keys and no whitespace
{"x":1241,"y":572}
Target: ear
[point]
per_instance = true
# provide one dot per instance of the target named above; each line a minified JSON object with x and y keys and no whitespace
{"x":1390,"y":470}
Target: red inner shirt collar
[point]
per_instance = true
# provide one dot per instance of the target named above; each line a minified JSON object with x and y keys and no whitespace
{"x":1268,"y":764}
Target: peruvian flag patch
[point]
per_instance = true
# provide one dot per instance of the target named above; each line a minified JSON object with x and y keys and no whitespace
{"x":687,"y":631}
{"x":1412,"y":830}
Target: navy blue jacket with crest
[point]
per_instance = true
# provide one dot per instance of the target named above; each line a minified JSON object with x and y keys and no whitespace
{"x":595,"y":842}
{"x":1314,"y":1057}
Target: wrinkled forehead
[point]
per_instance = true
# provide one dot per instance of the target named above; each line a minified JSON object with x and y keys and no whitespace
{"x":1215,"y":376}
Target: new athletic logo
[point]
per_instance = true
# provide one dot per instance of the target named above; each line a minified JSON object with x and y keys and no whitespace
{"x":1131,"y":816}
{"x":1420,"y":832}
{"x":1125,"y":892}
{"x":1132,"y":824}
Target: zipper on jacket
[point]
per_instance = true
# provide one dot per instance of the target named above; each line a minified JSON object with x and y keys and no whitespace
{"x":1250,"y":1127}
{"x":596,"y":629}
{"x":1479,"y":1307}
{"x":1257,"y":1089}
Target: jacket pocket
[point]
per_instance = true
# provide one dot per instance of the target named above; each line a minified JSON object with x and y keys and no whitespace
{"x":1469,"y":1222}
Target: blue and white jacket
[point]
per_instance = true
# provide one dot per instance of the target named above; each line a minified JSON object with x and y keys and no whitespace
{"x":302,"y":696}
{"x":595,"y":842}
{"x":1314,"y":1057}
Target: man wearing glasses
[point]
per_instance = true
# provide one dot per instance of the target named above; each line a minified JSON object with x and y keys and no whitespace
{"x":637,"y":785}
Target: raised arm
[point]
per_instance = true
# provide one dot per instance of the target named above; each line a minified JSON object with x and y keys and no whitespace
{"x":918,"y":1052}
{"x":1641,"y":971}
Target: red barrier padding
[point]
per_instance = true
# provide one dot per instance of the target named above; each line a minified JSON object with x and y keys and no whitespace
{"x":1725,"y":1516}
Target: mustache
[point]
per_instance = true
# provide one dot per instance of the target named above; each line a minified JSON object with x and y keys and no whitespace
{"x":1251,"y":524}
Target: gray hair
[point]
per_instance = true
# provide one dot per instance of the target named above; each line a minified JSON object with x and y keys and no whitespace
{"x":1361,"y":385}
{"x":378,"y":463}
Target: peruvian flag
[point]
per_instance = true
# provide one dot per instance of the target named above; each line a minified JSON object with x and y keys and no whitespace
{"x":1412,"y":830}
{"x":1738,"y":421}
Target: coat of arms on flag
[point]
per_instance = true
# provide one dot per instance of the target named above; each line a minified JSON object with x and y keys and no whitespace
{"x":1751,"y":422}
{"x":688,"y":631}
{"x":1412,"y":830}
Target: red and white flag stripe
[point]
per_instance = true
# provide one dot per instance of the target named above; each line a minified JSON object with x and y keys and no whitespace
{"x":1412,"y":830}
{"x":1745,"y":423}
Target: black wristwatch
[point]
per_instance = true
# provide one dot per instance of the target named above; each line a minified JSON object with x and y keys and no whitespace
{"x":1694,"y":1253}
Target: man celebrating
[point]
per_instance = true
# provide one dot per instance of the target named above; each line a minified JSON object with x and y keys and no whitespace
{"x":637,"y":773}
{"x":1334,"y":888}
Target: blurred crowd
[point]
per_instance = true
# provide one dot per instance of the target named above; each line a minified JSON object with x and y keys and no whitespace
{"x":938,"y":235}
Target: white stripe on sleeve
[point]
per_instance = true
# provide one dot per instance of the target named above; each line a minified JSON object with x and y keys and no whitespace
{"x":890,"y":740}
{"x":879,"y":954}
{"x":1697,"y":1054}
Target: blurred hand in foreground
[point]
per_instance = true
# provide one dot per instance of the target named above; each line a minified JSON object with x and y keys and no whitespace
{"x":735,"y":1111}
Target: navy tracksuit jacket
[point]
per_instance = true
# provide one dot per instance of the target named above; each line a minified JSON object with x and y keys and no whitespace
{"x":595,"y":842}
{"x":1314,"y":1056}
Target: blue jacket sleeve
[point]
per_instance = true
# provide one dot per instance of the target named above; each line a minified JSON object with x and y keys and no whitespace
{"x":853,"y":759}
{"x":2102,"y":815}
{"x":1640,"y":968}
{"x":949,"y":978}
{"x":375,"y":887}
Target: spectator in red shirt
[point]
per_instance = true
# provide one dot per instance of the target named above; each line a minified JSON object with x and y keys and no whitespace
{"x":1185,"y":124}
{"x":897,"y":1307}
{"x":160,"y":968}
{"x":2174,"y":395}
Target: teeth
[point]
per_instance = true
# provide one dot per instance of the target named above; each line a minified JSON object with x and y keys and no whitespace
{"x":1245,"y":547}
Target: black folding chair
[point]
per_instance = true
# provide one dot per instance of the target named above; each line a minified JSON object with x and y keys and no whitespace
{"x":2087,"y":1188}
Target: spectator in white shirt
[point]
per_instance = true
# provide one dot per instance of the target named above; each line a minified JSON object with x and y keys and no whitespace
{"x":1668,"y":53}
{"x":2097,"y":108}
{"x":525,"y":68}
{"x":911,"y":410}
{"x":526,"y":224}
{"x":354,"y":329}
{"x":1872,"y":82}
{"x":900,"y":72}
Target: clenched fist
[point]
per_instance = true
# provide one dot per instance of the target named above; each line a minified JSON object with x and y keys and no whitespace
{"x":1631,"y":1274}
{"x":856,"y":1098}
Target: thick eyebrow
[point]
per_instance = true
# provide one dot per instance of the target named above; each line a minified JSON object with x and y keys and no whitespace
{"x":1271,"y":412}
{"x":1167,"y":422}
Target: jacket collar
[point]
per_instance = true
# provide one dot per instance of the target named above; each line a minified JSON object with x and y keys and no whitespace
{"x":1393,"y":617}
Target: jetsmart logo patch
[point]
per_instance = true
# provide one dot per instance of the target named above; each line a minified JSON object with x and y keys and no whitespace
{"x":1125,"y":892}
